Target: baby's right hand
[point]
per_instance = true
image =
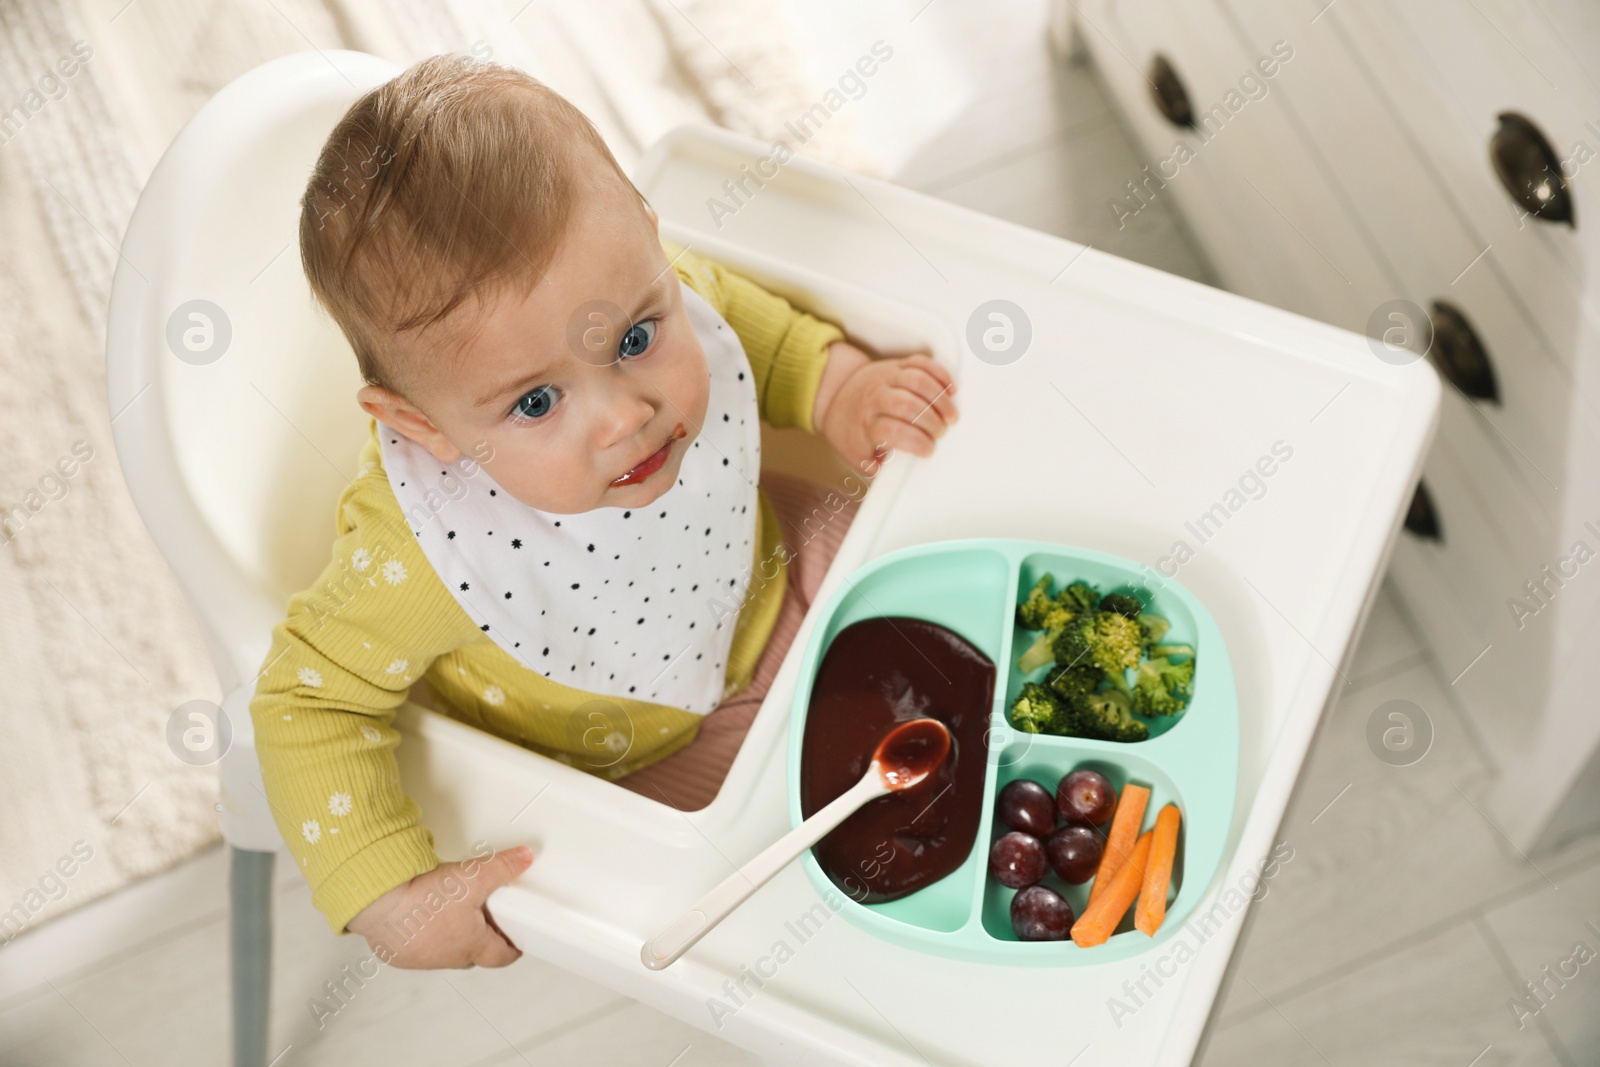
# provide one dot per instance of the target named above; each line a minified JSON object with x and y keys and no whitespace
{"x":404,"y":932}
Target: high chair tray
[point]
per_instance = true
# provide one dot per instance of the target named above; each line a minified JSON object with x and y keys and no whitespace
{"x":1191,"y":759}
{"x":1260,"y":460}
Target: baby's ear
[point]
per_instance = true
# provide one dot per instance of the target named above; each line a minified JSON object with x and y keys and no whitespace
{"x":382,"y":404}
{"x":392,"y":409}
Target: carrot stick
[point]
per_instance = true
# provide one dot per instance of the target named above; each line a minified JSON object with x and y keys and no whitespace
{"x":1152,"y":906}
{"x":1101,"y":917}
{"x":1120,"y":841}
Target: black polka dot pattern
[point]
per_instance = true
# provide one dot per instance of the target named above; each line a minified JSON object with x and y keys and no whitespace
{"x":611,"y":618}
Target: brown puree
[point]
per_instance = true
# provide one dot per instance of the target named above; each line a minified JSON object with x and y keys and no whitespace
{"x":878,"y":673}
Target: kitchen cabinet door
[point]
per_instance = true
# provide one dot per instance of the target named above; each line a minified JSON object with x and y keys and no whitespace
{"x":1259,"y":199}
{"x":1450,"y":73}
{"x":1124,"y":47}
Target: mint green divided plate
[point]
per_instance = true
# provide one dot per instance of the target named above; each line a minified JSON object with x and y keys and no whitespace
{"x":1191,"y":759}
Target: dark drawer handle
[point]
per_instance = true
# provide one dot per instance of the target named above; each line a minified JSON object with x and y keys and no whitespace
{"x":1459,"y":355}
{"x":1529,"y":169}
{"x":1421,"y":518}
{"x":1171,"y":98}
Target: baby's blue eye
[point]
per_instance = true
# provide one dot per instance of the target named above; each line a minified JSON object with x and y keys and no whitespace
{"x":537,"y":402}
{"x":638,"y":338}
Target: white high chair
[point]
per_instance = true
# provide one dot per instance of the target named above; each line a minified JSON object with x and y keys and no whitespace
{"x":235,"y":464}
{"x":236,"y":456}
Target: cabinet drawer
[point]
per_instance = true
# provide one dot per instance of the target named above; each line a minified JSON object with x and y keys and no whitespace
{"x":1450,"y":73}
{"x":1513,"y":55}
{"x":1503,"y":501}
{"x":1263,"y":186}
{"x":1562,"y":37}
{"x":1350,"y":129}
{"x":1547,"y":425}
{"x":1436,"y":592}
{"x":1124,"y":42}
{"x":1522,"y":598}
{"x":1459,"y":591}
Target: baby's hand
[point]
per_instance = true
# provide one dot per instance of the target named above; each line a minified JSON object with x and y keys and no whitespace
{"x":866,"y":406}
{"x":405,"y":932}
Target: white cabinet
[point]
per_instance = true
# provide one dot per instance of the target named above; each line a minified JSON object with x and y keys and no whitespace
{"x":1128,"y":35}
{"x":1256,"y":206}
{"x":1364,"y":173}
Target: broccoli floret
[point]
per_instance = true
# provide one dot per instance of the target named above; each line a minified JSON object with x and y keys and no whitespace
{"x":1072,"y":684}
{"x":1081,"y":596}
{"x":1095,"y":640}
{"x":1031,"y":612}
{"x":1120,"y":643}
{"x":1105,"y":639}
{"x":1072,"y":645}
{"x":1040,"y":610}
{"x":1087,"y":713}
{"x":1122,"y":604}
{"x":1056,"y":617}
{"x":1154,"y":627}
{"x":1036,"y":710}
{"x":1163,"y":687}
{"x":1036,"y":655}
{"x":1106,"y":716}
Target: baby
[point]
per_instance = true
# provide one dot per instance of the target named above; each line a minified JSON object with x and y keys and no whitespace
{"x":557,"y":524}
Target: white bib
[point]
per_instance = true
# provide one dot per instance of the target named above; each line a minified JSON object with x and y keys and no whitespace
{"x":635,"y":603}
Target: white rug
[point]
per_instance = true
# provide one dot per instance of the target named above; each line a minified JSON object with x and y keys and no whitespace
{"x":97,"y":644}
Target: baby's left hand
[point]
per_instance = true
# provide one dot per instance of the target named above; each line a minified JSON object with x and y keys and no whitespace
{"x":866,"y":406}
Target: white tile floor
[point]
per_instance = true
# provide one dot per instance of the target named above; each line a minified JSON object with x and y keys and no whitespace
{"x":1406,"y":922}
{"x":1399,"y":932}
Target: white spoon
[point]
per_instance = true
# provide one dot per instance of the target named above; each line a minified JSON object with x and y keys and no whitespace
{"x":907,"y":754}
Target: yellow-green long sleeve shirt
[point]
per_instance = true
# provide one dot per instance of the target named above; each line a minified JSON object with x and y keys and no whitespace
{"x":378,"y":619}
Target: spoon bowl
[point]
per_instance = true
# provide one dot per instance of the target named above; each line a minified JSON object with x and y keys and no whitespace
{"x":910,"y":752}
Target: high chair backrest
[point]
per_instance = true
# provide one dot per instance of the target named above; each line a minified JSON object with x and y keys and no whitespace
{"x":231,"y":393}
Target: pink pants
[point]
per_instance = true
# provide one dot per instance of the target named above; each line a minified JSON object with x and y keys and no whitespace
{"x":690,"y":778}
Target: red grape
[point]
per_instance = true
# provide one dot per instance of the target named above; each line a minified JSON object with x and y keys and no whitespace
{"x":1027,"y":806}
{"x":1085,"y":797}
{"x":1017,"y":860}
{"x":1074,"y":853}
{"x":1039,"y":913}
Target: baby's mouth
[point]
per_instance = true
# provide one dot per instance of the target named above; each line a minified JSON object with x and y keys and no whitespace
{"x":653,"y":462}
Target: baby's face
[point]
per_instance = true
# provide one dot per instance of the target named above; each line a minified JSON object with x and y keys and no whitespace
{"x":569,"y":404}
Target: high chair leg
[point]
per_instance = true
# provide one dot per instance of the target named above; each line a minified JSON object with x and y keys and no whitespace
{"x":250,"y":890}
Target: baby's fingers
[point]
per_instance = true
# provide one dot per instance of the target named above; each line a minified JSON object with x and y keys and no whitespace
{"x":936,"y":370}
{"x":900,"y":435}
{"x":493,"y":948}
{"x":935,"y":396}
{"x":909,"y":406}
{"x":931,"y":365}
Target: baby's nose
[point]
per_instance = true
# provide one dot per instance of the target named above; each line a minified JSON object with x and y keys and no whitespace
{"x":626,"y":414}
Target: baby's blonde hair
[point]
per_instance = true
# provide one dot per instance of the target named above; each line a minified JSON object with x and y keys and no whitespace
{"x":453,"y":182}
